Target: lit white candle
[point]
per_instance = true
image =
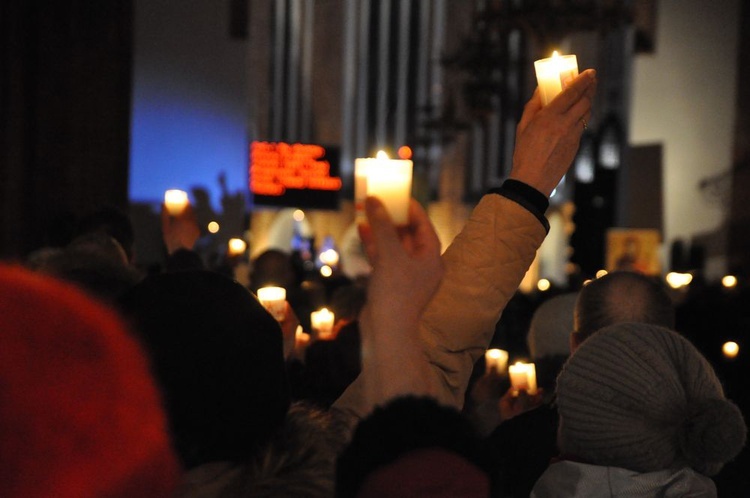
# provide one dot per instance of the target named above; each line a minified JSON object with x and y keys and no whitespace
{"x":390,"y":181}
{"x":273,"y":299}
{"x":301,"y":340}
{"x":322,"y":323}
{"x":175,"y":201}
{"x":236,"y":247}
{"x":360,"y":186}
{"x":523,"y":377}
{"x":552,"y":72}
{"x":496,"y":360}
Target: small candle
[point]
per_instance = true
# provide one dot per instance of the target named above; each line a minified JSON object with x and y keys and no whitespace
{"x":389,"y":180}
{"x":322,"y":323}
{"x":552,"y":72}
{"x":301,"y":340}
{"x":175,"y":201}
{"x":236,"y":247}
{"x":523,"y":377}
{"x":273,"y":299}
{"x":496,"y":360}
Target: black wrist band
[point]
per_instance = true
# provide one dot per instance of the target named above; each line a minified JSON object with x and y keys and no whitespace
{"x":528,"y":197}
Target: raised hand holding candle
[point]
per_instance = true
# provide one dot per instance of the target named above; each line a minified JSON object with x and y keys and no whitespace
{"x":552,"y":72}
{"x":175,"y":201}
{"x":273,"y":300}
{"x":390,"y":181}
{"x":322,"y":323}
{"x":496,"y":360}
{"x":523,"y":377}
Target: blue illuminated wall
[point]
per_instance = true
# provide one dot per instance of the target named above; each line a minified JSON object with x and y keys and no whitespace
{"x":189,"y":114}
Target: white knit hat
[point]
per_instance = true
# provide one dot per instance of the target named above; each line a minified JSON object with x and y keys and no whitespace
{"x":642,"y":397}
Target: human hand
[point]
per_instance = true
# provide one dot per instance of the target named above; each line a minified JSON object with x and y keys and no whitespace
{"x":179,"y":231}
{"x":514,"y":403}
{"x":407,"y":270}
{"x":485,"y":395}
{"x":547,"y":137}
{"x":406,"y":260}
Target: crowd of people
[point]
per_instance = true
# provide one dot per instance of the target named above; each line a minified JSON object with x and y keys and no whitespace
{"x":180,"y":383}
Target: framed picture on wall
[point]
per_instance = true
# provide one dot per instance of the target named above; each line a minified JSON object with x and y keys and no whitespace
{"x":634,"y":250}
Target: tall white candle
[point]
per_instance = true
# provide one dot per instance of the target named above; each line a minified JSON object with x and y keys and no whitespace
{"x":552,"y":72}
{"x":322,"y":323}
{"x":273,"y":299}
{"x":390,"y":181}
{"x":496,"y":360}
{"x":523,"y":377}
{"x":175,"y":201}
{"x":360,"y":186}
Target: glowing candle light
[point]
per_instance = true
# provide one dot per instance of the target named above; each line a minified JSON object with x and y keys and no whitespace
{"x":387,"y":179}
{"x":552,"y":72}
{"x":496,"y":360}
{"x":322,"y":323}
{"x":301,"y":340}
{"x":523,"y":377}
{"x":730,"y":349}
{"x":543,"y":284}
{"x":678,"y":280}
{"x":175,"y":201}
{"x":236,"y":247}
{"x":729,"y":281}
{"x":273,"y":300}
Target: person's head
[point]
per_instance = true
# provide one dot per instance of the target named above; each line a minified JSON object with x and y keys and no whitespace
{"x":217,"y":354}
{"x":412,"y":447}
{"x":550,"y":327}
{"x":620,"y":297}
{"x":113,"y":222}
{"x":641,"y":397}
{"x":275,"y":268}
{"x":94,"y":262}
{"x":299,"y":461}
{"x":80,"y":415}
{"x":548,"y":338}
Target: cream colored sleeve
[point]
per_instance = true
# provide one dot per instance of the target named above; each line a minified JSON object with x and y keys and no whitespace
{"x":484,"y":266}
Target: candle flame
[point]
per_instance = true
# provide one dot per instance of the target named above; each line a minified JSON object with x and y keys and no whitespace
{"x":381,"y":155}
{"x":555,"y":54}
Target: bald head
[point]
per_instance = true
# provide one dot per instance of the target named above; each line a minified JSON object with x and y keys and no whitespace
{"x":620,"y":297}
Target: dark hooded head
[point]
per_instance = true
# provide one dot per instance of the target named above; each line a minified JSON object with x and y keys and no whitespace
{"x":217,"y":355}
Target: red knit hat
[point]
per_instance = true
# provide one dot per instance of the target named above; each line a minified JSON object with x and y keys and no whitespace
{"x":79,"y":414}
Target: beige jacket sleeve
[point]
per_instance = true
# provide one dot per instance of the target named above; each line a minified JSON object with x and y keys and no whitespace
{"x":484,"y":266}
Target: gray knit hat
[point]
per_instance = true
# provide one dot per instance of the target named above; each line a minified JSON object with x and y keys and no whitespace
{"x":642,"y":397}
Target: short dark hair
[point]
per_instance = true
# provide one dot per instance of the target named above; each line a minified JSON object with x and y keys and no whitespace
{"x":618,"y":297}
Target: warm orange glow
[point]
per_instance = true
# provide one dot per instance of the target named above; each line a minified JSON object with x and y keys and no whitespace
{"x":404,"y":152}
{"x":276,"y":167}
{"x":729,"y":281}
{"x":730,"y":349}
{"x":236,"y":247}
{"x":213,"y":227}
{"x":543,"y":284}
